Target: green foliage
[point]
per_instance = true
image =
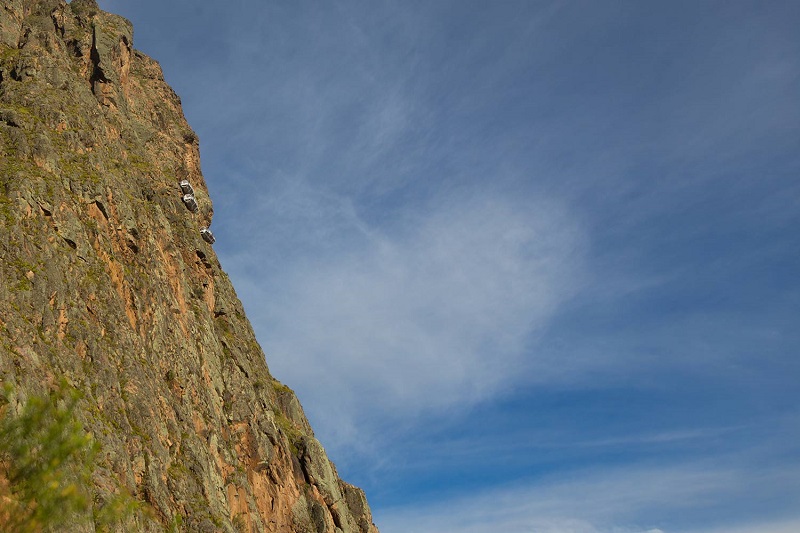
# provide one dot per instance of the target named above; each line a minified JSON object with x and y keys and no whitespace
{"x":176,"y":525}
{"x":116,"y":512}
{"x":46,"y":462}
{"x":6,"y":211}
{"x":22,"y":268}
{"x":239,"y":523}
{"x":280,"y":388}
{"x":8,"y":53}
{"x":293,"y":434}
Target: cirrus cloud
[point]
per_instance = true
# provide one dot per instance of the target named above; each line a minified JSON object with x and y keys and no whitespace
{"x":440,"y":310}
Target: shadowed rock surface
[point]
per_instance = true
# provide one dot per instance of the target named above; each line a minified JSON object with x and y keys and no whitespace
{"x":107,"y":282}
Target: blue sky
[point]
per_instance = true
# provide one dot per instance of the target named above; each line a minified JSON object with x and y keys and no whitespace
{"x":530,"y":266}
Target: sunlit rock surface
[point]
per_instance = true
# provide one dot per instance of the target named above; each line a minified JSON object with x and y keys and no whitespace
{"x":107,"y":282}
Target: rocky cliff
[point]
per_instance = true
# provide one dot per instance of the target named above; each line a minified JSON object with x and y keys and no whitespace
{"x":106,"y":281}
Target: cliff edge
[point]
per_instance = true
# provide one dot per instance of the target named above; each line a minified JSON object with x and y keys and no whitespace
{"x":108,"y":283}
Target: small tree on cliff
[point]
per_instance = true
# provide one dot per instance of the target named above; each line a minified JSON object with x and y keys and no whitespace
{"x":45,"y":462}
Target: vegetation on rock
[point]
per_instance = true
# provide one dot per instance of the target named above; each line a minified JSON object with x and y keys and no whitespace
{"x":46,"y":463}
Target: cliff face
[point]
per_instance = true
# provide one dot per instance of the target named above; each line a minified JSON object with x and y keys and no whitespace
{"x":107,"y":282}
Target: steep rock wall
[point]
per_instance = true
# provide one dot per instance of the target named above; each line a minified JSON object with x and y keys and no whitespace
{"x":107,"y":282}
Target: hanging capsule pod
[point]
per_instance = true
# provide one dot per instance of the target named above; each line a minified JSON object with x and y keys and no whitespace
{"x":186,"y":187}
{"x":207,"y":235}
{"x":190,"y":202}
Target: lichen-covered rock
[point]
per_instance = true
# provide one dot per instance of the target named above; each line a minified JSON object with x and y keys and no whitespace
{"x":107,"y":282}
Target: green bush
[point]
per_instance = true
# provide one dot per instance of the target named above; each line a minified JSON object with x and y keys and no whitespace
{"x":45,"y":462}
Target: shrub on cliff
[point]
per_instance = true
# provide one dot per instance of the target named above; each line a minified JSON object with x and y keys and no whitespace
{"x":45,"y":462}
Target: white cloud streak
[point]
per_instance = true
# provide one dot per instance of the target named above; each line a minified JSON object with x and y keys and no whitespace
{"x":437,"y":313}
{"x":767,"y":526}
{"x":338,"y":135}
{"x":627,"y":500}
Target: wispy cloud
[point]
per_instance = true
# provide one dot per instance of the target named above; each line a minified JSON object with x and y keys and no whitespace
{"x":492,"y":241}
{"x":436,"y":312}
{"x":630,"y":499}
{"x":790,"y":525}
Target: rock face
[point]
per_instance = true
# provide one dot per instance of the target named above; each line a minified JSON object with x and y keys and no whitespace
{"x":106,"y":281}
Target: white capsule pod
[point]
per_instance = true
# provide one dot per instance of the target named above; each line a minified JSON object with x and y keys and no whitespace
{"x":190,"y":202}
{"x":207,"y":235}
{"x":186,"y":187}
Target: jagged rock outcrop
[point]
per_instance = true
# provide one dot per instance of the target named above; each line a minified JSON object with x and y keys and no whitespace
{"x":107,"y":282}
